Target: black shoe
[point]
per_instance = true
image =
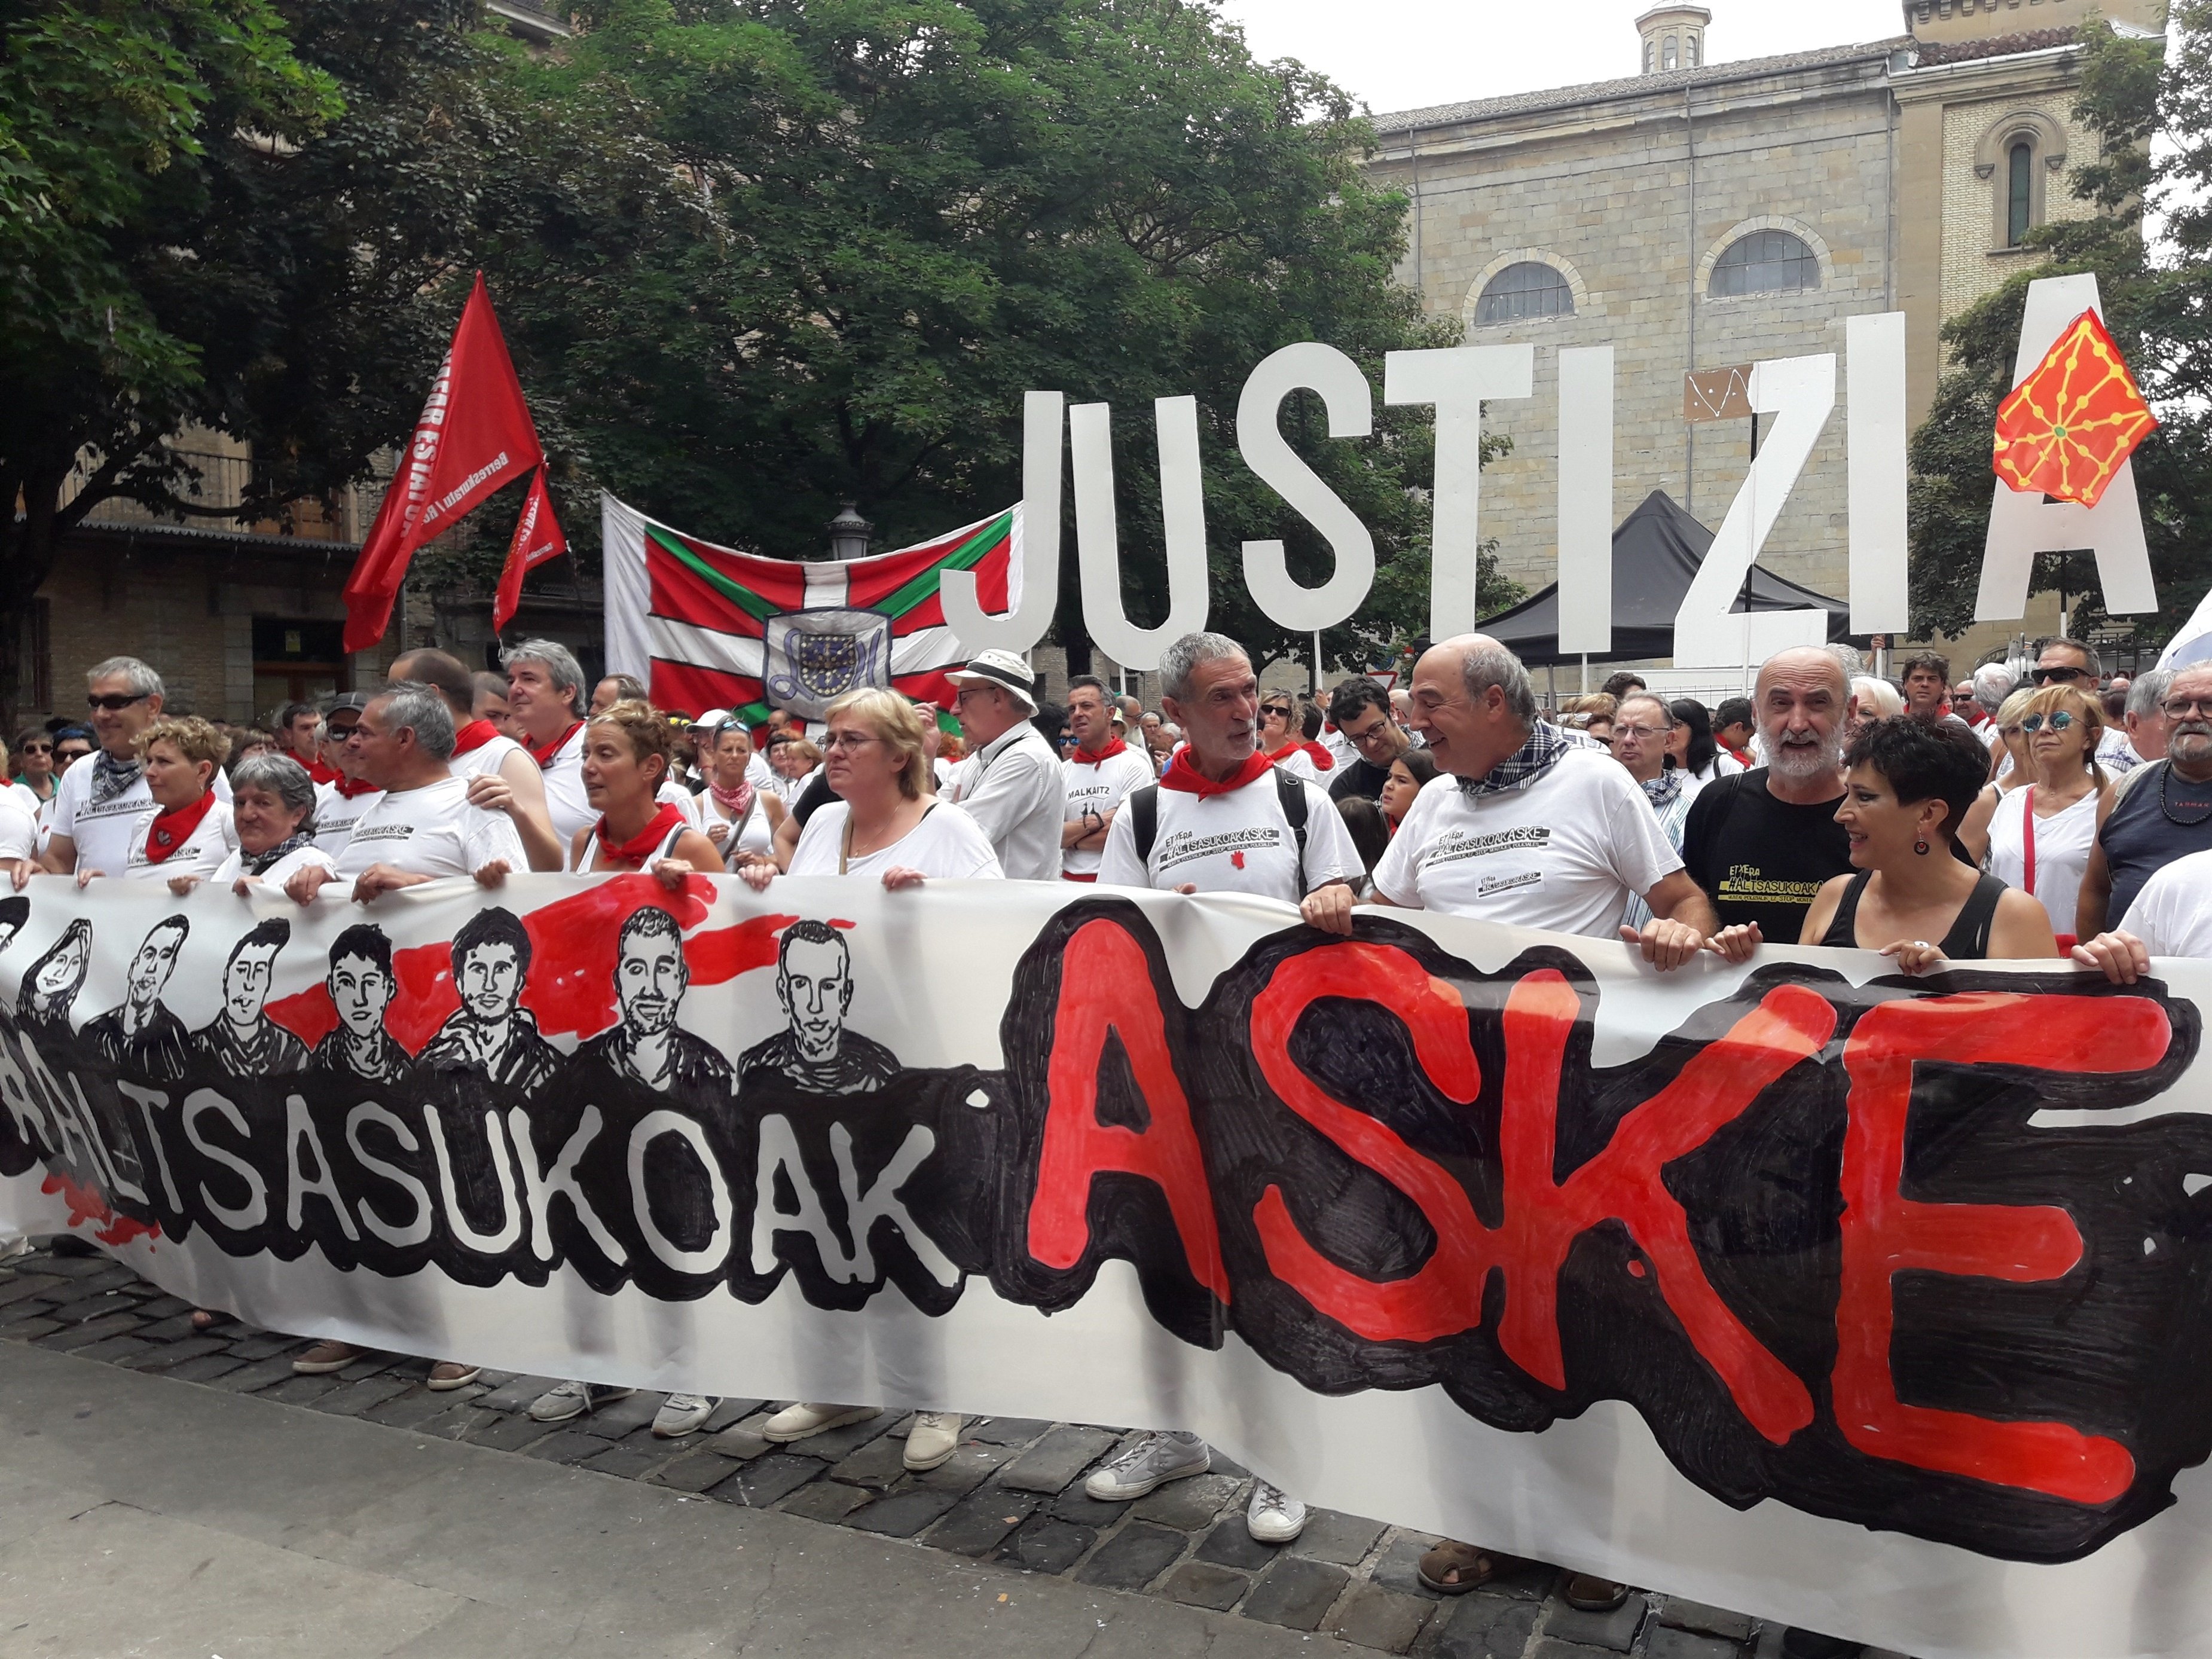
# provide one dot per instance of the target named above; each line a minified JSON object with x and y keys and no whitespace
{"x":1808,"y":1644}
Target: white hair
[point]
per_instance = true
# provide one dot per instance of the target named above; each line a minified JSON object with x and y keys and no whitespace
{"x":1877,"y":699}
{"x":139,"y":676}
{"x":1180,"y":659}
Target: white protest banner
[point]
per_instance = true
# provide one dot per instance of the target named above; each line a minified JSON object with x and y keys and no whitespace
{"x":1872,"y":1305}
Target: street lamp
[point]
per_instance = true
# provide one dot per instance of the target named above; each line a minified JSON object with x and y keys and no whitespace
{"x":849,"y":534}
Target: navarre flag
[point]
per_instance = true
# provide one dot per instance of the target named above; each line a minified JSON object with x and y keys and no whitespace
{"x":537,"y":538}
{"x":707,"y":627}
{"x":2067,"y":428}
{"x":475,"y":435}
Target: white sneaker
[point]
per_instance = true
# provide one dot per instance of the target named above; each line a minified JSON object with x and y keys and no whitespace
{"x":680,"y":1413}
{"x":933,"y":1438}
{"x":566,"y":1400}
{"x":797,"y":1422}
{"x":1151,"y":1462}
{"x":1273,"y":1516}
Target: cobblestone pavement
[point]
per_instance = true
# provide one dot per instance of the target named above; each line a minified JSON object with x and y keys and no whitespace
{"x":1012,"y":1493}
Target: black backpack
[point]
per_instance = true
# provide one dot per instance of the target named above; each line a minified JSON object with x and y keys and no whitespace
{"x":1143,"y":809}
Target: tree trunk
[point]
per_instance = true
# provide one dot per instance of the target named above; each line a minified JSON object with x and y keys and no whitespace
{"x":30,"y":558}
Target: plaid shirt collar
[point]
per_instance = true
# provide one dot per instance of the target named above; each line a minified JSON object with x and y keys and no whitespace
{"x":1526,"y":765}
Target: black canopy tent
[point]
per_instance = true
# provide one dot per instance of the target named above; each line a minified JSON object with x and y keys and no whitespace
{"x":1656,"y":554}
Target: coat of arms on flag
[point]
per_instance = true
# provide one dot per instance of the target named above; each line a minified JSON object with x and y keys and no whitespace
{"x":707,"y":627}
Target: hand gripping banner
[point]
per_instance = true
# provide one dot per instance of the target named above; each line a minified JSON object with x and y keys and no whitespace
{"x":1877,"y":1306}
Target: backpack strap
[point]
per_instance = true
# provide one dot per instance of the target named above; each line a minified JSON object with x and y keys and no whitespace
{"x":1143,"y":809}
{"x":1292,"y":794}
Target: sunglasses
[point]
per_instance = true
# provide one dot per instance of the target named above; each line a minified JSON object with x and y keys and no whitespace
{"x":113,"y":701}
{"x":35,"y":749}
{"x":2059,"y":722}
{"x":2064,"y":676}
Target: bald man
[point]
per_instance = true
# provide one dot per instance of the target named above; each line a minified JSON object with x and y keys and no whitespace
{"x":1531,"y":827}
{"x":1759,"y":843}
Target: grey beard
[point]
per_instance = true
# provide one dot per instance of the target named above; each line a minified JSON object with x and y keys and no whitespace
{"x":1799,"y":761}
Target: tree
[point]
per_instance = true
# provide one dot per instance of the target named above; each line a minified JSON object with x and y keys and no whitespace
{"x":2159,"y":311}
{"x":906,"y":213}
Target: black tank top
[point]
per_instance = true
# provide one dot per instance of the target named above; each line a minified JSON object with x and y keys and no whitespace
{"x":2162,"y":818}
{"x":1967,"y":941}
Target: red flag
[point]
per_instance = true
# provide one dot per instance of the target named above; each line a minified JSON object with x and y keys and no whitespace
{"x":537,"y":538}
{"x":2069,"y":428}
{"x":475,"y":435}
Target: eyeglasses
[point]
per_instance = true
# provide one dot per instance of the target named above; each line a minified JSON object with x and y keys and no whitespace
{"x":1280,"y":711}
{"x":2064,"y":676}
{"x":2180,"y":708}
{"x":114,"y":702}
{"x":1641,"y":733}
{"x":36,"y":749}
{"x":837,"y":740}
{"x":2059,"y":722}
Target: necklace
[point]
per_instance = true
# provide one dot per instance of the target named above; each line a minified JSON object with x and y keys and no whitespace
{"x":2165,"y":805}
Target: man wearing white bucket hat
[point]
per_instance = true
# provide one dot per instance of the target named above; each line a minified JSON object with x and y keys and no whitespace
{"x":1011,"y":783}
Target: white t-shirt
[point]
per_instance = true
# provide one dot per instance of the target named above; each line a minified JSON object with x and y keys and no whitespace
{"x":1299,"y":764}
{"x":755,"y":837}
{"x":565,"y":801}
{"x":431,"y":831}
{"x":947,"y":845}
{"x":213,"y":839}
{"x":2173,"y":914}
{"x":1237,"y":842}
{"x":1014,"y":789}
{"x":19,"y":829}
{"x":2063,"y":843}
{"x":336,"y":815}
{"x":278,"y":873}
{"x":487,"y":756}
{"x":1565,"y":853}
{"x":1098,"y":786}
{"x":102,"y":832}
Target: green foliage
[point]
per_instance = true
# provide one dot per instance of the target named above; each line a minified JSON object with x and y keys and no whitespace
{"x":2159,"y":312}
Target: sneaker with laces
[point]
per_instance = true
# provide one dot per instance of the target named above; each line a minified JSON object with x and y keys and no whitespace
{"x":1273,"y":1516}
{"x":564,"y":1401}
{"x":326,"y":1357}
{"x":931,"y":1441}
{"x":681,"y":1413}
{"x":810,"y":1418}
{"x":1151,"y":1463}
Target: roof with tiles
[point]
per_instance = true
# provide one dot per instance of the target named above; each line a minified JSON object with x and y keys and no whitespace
{"x":1998,"y":45}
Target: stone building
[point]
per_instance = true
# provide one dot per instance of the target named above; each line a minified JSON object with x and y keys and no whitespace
{"x":1699,"y":216}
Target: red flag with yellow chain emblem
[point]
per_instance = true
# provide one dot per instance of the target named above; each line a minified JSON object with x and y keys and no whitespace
{"x":2067,"y":428}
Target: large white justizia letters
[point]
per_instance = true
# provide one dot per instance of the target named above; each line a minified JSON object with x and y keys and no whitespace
{"x":1351,"y":415}
{"x":1457,"y":381}
{"x":1019,"y":629}
{"x":1183,"y":514}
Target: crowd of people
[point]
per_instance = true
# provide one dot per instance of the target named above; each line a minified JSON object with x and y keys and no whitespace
{"x":1932,"y":822}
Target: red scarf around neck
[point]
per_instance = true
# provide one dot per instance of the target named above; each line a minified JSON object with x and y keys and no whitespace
{"x":476,"y":733}
{"x":545,"y":757}
{"x":1185,"y":778}
{"x":352,"y":788}
{"x":634,"y":851}
{"x":1322,"y":759}
{"x":173,"y":828}
{"x":321,"y":772}
{"x":1116,"y":747}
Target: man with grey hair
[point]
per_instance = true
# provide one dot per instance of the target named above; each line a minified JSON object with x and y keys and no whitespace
{"x":1011,"y":783}
{"x":424,"y":826}
{"x":546,"y":695}
{"x":2124,"y":749}
{"x":1993,"y":682}
{"x":1529,"y":829}
{"x":97,"y":808}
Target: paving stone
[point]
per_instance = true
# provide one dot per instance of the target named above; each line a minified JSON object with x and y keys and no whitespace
{"x":565,"y":1445}
{"x":695,"y":1470}
{"x":112,"y":1279}
{"x":1616,"y":1630}
{"x":259,"y":1375}
{"x":1044,"y":1545}
{"x":1331,"y":1535}
{"x":1006,"y":1430}
{"x":903,"y":1514}
{"x":265,"y":1344}
{"x":81,"y":1308}
{"x":170,"y":1327}
{"x":1228,"y":1466}
{"x":1074,"y":1504}
{"x":297,"y":1390}
{"x":204,"y":1368}
{"x":31,"y":1307}
{"x":631,"y":1461}
{"x":833,"y":1446}
{"x":14,"y":1289}
{"x":75,"y":1266}
{"x":1232,"y":1545}
{"x":829,"y":1501}
{"x":408,"y":1409}
{"x":766,"y":1481}
{"x":968,"y":1468}
{"x":352,"y":1399}
{"x":373,"y":1364}
{"x":1377,"y":1618}
{"x":1483,"y":1625}
{"x":738,"y":1443}
{"x":29,"y":1328}
{"x":616,"y":1419}
{"x":115,"y":1350}
{"x":1688,"y":1615}
{"x":1665,"y":1642}
{"x":1551,"y":1647}
{"x":165,"y":1306}
{"x":729,"y":1411}
{"x":1295,"y":1592}
{"x":458,"y":1421}
{"x":72,"y":1337}
{"x":1134,"y":1557}
{"x":1057,"y":1459}
{"x":507,"y":1430}
{"x":879,"y":1465}
{"x":1189,"y":1505}
{"x":1203,"y":1584}
{"x":517,"y":1392}
{"x":980,"y":1522}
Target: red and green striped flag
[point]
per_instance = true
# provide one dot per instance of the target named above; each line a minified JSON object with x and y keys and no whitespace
{"x":707,"y":627}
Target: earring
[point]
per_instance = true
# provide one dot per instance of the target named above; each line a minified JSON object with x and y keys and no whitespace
{"x":1920,"y":848}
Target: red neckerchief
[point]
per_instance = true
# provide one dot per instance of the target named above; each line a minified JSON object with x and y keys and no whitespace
{"x":545,"y":757}
{"x":1185,"y":778}
{"x":1116,"y":747}
{"x":321,"y":772}
{"x":352,"y":788}
{"x":476,"y":733}
{"x":1743,"y":758}
{"x":173,"y":828}
{"x":1276,"y":757}
{"x":633,"y":852}
{"x":1322,"y":759}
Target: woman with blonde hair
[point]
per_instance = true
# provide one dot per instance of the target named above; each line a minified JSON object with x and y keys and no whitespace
{"x":628,"y":749}
{"x":1871,"y":700}
{"x":886,"y":822}
{"x":2037,"y":834}
{"x":2008,"y":765}
{"x":187,"y":831}
{"x":740,"y":816}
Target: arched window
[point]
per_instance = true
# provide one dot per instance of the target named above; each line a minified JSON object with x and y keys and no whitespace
{"x":1527,"y":289}
{"x":1766,"y":262}
{"x":1690,"y":52}
{"x":1673,"y":49}
{"x":1650,"y":55}
{"x":2020,"y":193}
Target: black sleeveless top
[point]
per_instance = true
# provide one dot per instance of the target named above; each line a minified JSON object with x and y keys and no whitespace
{"x":1967,"y":941}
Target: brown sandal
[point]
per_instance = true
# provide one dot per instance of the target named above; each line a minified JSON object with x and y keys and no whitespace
{"x":1454,"y":1569}
{"x":1587,"y":1593}
{"x":202,"y":1318}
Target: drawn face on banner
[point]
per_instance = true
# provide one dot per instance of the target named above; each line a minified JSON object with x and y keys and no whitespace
{"x":650,"y":977}
{"x":61,"y":971}
{"x":490,"y":980}
{"x":155,"y":961}
{"x":815,"y":984}
{"x":362,"y":991}
{"x":246,"y":979}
